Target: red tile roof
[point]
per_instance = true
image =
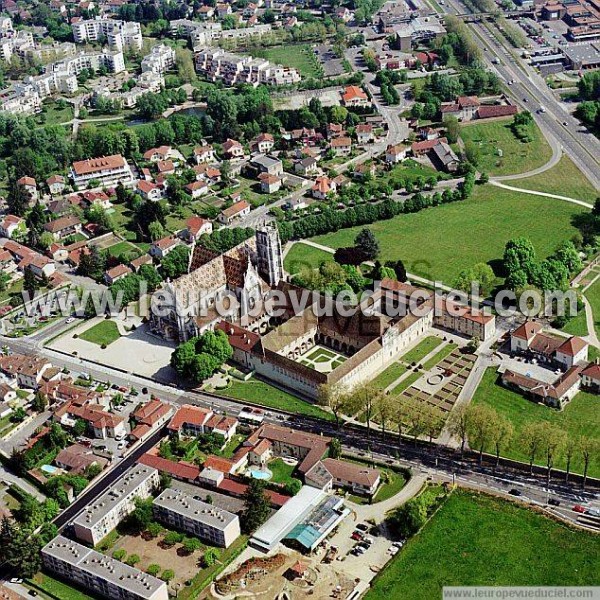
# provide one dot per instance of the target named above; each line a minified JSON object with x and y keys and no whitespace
{"x":527,"y":331}
{"x":194,"y":415}
{"x":96,"y":165}
{"x":181,"y":470}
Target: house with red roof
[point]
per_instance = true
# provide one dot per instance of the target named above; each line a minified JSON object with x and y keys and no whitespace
{"x":464,"y":108}
{"x":11,"y":225}
{"x":590,"y":378}
{"x":158,"y":154}
{"x":195,"y":227}
{"x":190,"y":420}
{"x":29,"y":184}
{"x":233,"y":149}
{"x":150,"y":190}
{"x":236,"y":211}
{"x":116,"y":273}
{"x":56,"y":184}
{"x":323,"y":187}
{"x":354,"y":96}
{"x":160,"y":248}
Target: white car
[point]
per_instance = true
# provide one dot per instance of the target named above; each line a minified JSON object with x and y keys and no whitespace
{"x":594,"y":512}
{"x":121,"y":445}
{"x":393,"y":550}
{"x":70,"y":320}
{"x":16,"y":580}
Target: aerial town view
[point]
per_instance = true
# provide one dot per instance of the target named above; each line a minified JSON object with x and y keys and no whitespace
{"x":299,"y":298}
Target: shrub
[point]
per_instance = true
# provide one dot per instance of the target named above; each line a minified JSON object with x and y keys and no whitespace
{"x":132,"y":559}
{"x":172,"y":538}
{"x":153,"y":569}
{"x":154,"y":529}
{"x":103,"y":346}
{"x":119,"y":554}
{"x":167,"y":575}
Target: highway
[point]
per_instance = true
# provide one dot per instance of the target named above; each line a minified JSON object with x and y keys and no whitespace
{"x":530,"y":92}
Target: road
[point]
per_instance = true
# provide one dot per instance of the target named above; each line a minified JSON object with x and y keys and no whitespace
{"x":530,"y":92}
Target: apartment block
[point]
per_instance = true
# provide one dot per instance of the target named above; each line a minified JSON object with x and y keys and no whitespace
{"x":211,"y":524}
{"x":100,"y":574}
{"x":218,"y":65}
{"x":160,"y":60}
{"x":105,"y":170}
{"x":118,"y":34}
{"x":117,"y":502}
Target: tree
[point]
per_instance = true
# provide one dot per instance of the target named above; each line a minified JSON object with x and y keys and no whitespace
{"x":191,"y":544}
{"x":142,"y":515}
{"x":119,"y":554}
{"x":452,"y":129}
{"x":80,"y":427}
{"x":153,"y":569}
{"x":211,"y":556}
{"x":532,"y":439}
{"x":256,"y":506}
{"x":334,"y":397}
{"x":384,"y":409}
{"x":132,"y":559}
{"x":553,"y":442}
{"x":367,"y":243}
{"x":501,"y":435}
{"x":176,"y":262}
{"x":399,"y":269}
{"x":588,"y":447}
{"x":21,"y":551}
{"x":165,"y":480}
{"x":364,"y":398}
{"x":167,"y":575}
{"x":459,"y":424}
{"x":17,"y":199}
{"x":335,"y":448}
{"x":172,"y":538}
{"x":154,"y":529}
{"x":293,"y":486}
{"x":40,"y":402}
{"x":571,"y":447}
{"x":482,"y":422}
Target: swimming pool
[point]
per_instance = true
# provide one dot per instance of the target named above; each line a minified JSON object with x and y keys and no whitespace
{"x":49,"y":469}
{"x":260,"y":474}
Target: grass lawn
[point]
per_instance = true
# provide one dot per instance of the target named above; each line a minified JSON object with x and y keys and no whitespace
{"x":53,"y":115}
{"x":120,"y":248}
{"x":299,"y":56}
{"x":439,"y":356}
{"x":518,"y":157}
{"x":302,"y":255}
{"x":395,"y":482}
{"x":564,"y":179}
{"x":389,"y":375}
{"x":263,"y":394}
{"x":57,"y":589}
{"x":421,"y":350}
{"x":437,"y":243}
{"x":480,"y":540}
{"x":406,"y":383}
{"x":282,"y":472}
{"x":580,"y":417}
{"x":105,"y":332}
{"x":593,"y":296}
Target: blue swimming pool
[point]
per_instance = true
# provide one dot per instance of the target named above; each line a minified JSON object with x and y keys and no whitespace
{"x":259,"y":474}
{"x":49,"y":469}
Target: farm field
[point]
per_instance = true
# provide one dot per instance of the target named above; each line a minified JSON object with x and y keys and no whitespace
{"x":517,"y":156}
{"x":298,"y":56}
{"x":580,"y":417}
{"x":434,"y":243}
{"x":480,"y":540}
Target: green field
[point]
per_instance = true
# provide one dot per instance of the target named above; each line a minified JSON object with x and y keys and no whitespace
{"x":518,"y":157}
{"x":298,"y":56}
{"x":263,"y":394}
{"x":564,"y":179}
{"x":55,"y":588}
{"x":389,"y":375}
{"x":593,"y":296}
{"x":421,"y":350}
{"x":302,"y":255}
{"x":120,"y":248}
{"x":479,"y":540}
{"x":580,"y":417}
{"x":439,"y":355}
{"x":105,"y":332}
{"x":437,"y":243}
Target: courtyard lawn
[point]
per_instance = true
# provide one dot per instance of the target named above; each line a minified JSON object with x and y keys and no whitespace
{"x":406,"y":383}
{"x":298,"y":56}
{"x":282,"y":472}
{"x":302,"y":255}
{"x":120,"y":248}
{"x":517,"y":156}
{"x":421,"y":350}
{"x":564,"y":179}
{"x":389,"y":375}
{"x":593,"y":296}
{"x":439,"y":356}
{"x":580,"y":417}
{"x":263,"y":394}
{"x":57,"y":589}
{"x":394,"y":483}
{"x":409,"y":170}
{"x":437,"y":243}
{"x":105,"y":332}
{"x":479,"y":540}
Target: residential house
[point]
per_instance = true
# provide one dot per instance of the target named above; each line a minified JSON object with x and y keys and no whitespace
{"x":204,"y":154}
{"x":464,"y":109}
{"x":335,"y":130}
{"x":148,"y":417}
{"x":443,"y":156}
{"x":365,"y":170}
{"x":196,"y":189}
{"x":354,"y":97}
{"x":233,"y":149}
{"x":140,"y":261}
{"x":267,"y":164}
{"x":195,"y":227}
{"x":364,"y":133}
{"x":424,"y":147}
{"x":236,"y":211}
{"x":150,"y":191}
{"x":30,"y":186}
{"x":77,"y":458}
{"x":208,"y":173}
{"x":158,"y":154}
{"x":56,"y":184}
{"x":105,"y":170}
{"x":27,"y":370}
{"x":160,"y":248}
{"x":590,"y":378}
{"x":189,"y":420}
{"x":307,"y":166}
{"x":166,"y":167}
{"x":63,"y":227}
{"x":323,"y":188}
{"x":269,"y":184}
{"x":116,"y":273}
{"x":331,"y":473}
{"x":263,"y":143}
{"x":341,"y":146}
{"x":12,"y":225}
{"x":395,"y":154}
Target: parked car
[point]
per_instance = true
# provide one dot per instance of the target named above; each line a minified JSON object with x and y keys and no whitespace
{"x":554,"y":502}
{"x":515,"y":492}
{"x":362,"y":527}
{"x":357,"y":536}
{"x":594,"y":512}
{"x":70,"y":320}
{"x":121,"y":445}
{"x":579,"y":509}
{"x":398,"y":544}
{"x":393,"y":550}
{"x":16,"y":580}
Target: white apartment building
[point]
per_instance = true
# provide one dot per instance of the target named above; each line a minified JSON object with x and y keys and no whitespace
{"x":105,"y":169}
{"x":23,"y":101}
{"x":211,"y":524}
{"x":117,"y":502}
{"x":118,"y":34}
{"x":18,"y":43}
{"x":160,"y":60}
{"x":146,"y":82}
{"x":100,"y":574}
{"x":218,"y":65}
